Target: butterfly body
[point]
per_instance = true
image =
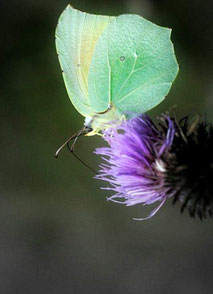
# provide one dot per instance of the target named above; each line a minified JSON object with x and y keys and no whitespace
{"x":99,"y":121}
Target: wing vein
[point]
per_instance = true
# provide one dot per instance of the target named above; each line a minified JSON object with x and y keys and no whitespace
{"x":142,"y":86}
{"x":79,"y":59}
{"x":148,"y":63}
{"x":110,"y":71}
{"x":132,"y":70}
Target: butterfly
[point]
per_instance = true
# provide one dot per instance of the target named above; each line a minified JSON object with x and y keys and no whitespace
{"x":114,"y":68}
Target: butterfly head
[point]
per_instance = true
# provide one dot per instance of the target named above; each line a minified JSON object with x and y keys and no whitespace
{"x":104,"y":120}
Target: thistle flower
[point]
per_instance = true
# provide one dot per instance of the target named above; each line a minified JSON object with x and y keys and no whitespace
{"x":137,"y":162}
{"x":190,"y":175}
{"x":145,"y":163}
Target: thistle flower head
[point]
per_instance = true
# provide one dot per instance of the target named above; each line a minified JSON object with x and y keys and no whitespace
{"x":191,"y":173}
{"x":136,"y":162}
{"x":145,"y":163}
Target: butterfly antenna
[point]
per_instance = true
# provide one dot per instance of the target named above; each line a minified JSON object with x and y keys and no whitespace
{"x":73,"y":137}
{"x":72,"y":147}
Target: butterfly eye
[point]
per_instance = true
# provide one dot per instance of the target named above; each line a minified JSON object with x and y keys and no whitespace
{"x":122,"y":58}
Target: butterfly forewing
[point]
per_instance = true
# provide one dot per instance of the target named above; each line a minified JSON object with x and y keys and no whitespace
{"x":76,"y":36}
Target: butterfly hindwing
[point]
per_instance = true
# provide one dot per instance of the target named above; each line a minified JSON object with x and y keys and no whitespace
{"x":133,"y":66}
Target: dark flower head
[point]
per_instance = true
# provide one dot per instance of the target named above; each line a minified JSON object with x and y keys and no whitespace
{"x":190,"y":175}
{"x":145,"y":163}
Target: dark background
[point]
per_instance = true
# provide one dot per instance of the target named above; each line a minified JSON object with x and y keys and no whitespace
{"x":58,"y":234}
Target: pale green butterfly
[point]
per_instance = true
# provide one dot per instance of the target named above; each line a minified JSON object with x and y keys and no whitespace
{"x":114,"y":68}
